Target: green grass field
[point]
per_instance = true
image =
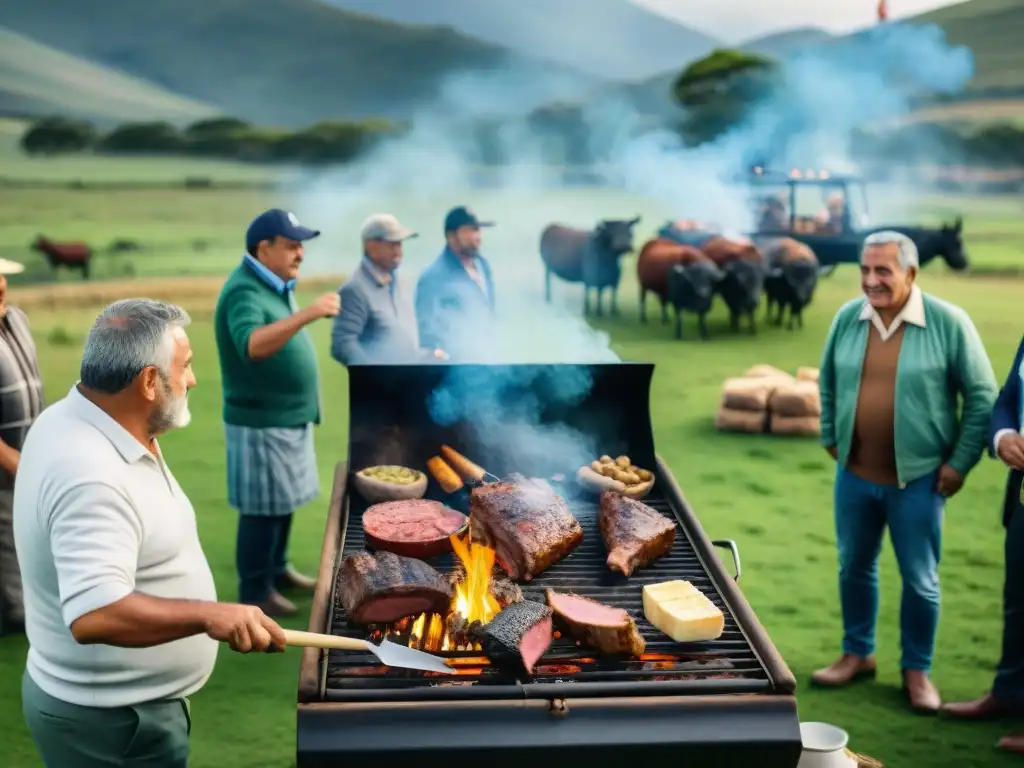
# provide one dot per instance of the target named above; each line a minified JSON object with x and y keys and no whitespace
{"x":772,"y":495}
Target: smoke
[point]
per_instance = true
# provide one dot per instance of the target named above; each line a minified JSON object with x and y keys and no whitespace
{"x":827,"y":94}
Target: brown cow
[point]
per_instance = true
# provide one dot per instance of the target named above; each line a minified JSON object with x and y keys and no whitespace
{"x":588,"y":257}
{"x":791,"y":279}
{"x":69,"y":255}
{"x":723,"y":250}
{"x":653,"y":266}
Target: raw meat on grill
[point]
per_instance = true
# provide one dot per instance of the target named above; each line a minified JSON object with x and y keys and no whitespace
{"x":634,"y":534}
{"x":607,"y":629}
{"x":383,"y":588}
{"x":527,"y":524}
{"x":520,"y":635}
{"x":412,"y":520}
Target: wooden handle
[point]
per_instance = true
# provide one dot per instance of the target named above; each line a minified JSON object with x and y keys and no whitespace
{"x":300,"y":639}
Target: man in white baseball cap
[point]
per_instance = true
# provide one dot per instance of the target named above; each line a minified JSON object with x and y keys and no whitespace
{"x":21,"y":402}
{"x":377,"y":323}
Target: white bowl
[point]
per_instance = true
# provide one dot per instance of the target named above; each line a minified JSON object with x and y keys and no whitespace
{"x":824,"y":746}
{"x":374,"y":490}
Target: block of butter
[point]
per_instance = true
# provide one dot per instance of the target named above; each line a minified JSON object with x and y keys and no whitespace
{"x":682,"y":612}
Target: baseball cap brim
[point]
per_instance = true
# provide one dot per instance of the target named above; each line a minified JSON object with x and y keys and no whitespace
{"x":8,"y":267}
{"x":301,"y":233}
{"x":402,"y":236}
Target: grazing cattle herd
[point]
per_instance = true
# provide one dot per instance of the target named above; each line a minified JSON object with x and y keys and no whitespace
{"x":686,"y":272}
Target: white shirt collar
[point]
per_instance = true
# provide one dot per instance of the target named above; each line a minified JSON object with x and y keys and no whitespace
{"x":912,"y":312}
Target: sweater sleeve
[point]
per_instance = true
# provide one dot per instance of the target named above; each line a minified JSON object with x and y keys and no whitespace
{"x":243,"y":317}
{"x":827,"y":385}
{"x":977,"y":384}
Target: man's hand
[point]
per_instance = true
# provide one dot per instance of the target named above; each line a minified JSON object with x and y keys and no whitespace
{"x":243,"y":627}
{"x":833,"y":451}
{"x":1011,"y":451}
{"x":327,"y":305}
{"x":949,"y":482}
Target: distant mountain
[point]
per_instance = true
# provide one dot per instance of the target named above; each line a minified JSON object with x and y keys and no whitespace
{"x":780,"y":44}
{"x":612,"y":39}
{"x":289,"y":62}
{"x":37,"y":80}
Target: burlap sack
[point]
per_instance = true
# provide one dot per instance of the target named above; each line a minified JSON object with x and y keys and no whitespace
{"x":753,"y":422}
{"x":766,"y":371}
{"x":801,"y":398}
{"x":801,"y":426}
{"x":748,"y":394}
{"x":806,"y":374}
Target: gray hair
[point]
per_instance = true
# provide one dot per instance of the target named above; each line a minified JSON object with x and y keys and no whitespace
{"x":128,"y":336}
{"x":906,"y":247}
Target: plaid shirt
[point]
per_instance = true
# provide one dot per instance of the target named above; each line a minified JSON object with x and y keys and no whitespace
{"x":21,"y":387}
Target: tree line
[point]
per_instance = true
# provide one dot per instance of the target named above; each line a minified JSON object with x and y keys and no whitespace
{"x":714,"y":95}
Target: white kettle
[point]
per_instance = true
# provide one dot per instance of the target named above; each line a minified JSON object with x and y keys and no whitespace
{"x":824,"y":747}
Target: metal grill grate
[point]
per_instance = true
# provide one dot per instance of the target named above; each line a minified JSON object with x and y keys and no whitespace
{"x":726,"y":665}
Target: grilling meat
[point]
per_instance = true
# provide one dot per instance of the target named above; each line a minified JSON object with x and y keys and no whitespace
{"x":520,"y":634}
{"x":634,"y":534}
{"x":609,"y":630}
{"x":383,"y":588}
{"x":527,"y":524}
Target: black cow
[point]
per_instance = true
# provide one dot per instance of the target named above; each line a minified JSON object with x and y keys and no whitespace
{"x":741,"y":287}
{"x":692,"y":289}
{"x":791,"y":279}
{"x":592,"y":258}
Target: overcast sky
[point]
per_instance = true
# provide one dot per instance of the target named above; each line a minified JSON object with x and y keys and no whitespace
{"x":736,"y":20}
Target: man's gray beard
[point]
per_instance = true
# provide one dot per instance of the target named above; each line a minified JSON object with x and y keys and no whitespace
{"x":166,"y":418}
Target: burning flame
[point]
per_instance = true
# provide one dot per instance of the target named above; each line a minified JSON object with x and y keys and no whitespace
{"x":473,"y":601}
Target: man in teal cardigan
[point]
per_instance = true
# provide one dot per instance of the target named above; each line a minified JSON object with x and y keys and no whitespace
{"x":271,"y":390}
{"x":897,"y":363}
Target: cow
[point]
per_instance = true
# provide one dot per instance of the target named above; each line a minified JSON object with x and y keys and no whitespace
{"x":740,"y":288}
{"x":743,"y":273}
{"x":656,"y":259}
{"x":69,"y":255}
{"x":791,"y":279}
{"x":591,"y":258}
{"x":723,"y":250}
{"x":691,"y":288}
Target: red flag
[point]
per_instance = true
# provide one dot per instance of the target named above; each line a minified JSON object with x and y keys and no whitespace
{"x":883,"y":10}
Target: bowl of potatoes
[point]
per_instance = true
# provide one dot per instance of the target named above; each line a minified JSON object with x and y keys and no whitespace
{"x":389,"y":482}
{"x":618,"y":474}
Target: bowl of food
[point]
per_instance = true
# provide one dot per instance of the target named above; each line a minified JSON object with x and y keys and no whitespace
{"x":418,"y":528}
{"x":389,"y":482}
{"x":618,"y":474}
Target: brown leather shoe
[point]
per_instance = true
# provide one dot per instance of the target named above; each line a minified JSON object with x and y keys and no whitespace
{"x":278,"y":606}
{"x":844,"y":671}
{"x":921,"y":691}
{"x":988,"y":706}
{"x":292,"y":579}
{"x":1012,"y":743}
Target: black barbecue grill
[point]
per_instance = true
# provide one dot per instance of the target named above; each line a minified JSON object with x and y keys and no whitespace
{"x":729,"y":702}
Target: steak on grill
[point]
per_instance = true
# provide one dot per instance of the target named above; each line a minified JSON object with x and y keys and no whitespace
{"x":607,"y":629}
{"x":527,"y":524}
{"x":634,"y":534}
{"x":412,"y":520}
{"x":520,"y":634}
{"x":385,"y":587}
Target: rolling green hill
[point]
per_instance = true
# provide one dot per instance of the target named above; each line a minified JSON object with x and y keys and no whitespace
{"x":287,"y":62}
{"x":38,"y":80}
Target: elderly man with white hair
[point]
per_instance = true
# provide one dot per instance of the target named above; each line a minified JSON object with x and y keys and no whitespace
{"x":907,"y":391}
{"x":120,"y":609}
{"x":377,"y":322}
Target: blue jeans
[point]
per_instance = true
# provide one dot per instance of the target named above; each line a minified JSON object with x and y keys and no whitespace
{"x":914,"y":516}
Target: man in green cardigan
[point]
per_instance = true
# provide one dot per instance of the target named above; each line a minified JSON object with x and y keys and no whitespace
{"x":907,"y":391}
{"x":271,"y":389}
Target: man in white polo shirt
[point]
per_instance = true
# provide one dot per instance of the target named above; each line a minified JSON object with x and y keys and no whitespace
{"x":120,"y":608}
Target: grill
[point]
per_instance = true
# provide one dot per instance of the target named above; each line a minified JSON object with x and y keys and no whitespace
{"x":730,"y":701}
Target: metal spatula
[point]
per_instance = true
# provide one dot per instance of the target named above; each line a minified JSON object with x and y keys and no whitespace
{"x":390,"y":654}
